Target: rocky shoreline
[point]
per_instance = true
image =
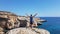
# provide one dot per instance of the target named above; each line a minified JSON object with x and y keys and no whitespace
{"x":12,"y":24}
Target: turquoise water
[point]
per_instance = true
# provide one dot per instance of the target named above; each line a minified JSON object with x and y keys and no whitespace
{"x":52,"y":24}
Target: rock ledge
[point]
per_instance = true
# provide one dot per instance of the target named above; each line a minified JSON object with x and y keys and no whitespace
{"x":28,"y":31}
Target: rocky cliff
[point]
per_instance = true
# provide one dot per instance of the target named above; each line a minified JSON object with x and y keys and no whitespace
{"x":10,"y":23}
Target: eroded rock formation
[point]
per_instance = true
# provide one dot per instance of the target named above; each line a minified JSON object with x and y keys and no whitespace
{"x":10,"y":20}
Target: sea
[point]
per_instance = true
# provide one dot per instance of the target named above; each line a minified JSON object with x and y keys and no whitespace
{"x":52,"y":24}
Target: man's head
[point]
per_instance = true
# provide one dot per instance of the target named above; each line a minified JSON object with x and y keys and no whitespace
{"x":31,"y":15}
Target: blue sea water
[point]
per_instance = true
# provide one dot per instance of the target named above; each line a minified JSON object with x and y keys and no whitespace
{"x":52,"y":24}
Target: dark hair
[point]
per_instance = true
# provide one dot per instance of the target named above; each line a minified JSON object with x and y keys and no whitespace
{"x":31,"y":14}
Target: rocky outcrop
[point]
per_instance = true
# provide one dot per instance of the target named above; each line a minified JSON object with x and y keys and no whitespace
{"x":10,"y":21}
{"x":28,"y":31}
{"x":7,"y":19}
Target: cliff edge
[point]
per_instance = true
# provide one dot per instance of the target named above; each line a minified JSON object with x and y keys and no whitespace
{"x":28,"y":31}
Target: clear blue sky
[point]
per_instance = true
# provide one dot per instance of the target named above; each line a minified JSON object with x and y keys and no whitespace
{"x":44,"y":8}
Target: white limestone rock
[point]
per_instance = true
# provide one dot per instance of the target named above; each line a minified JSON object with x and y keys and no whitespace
{"x":28,"y":31}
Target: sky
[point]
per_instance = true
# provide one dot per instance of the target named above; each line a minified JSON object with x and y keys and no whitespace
{"x":44,"y":8}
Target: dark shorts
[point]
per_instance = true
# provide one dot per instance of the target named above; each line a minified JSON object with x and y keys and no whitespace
{"x":31,"y":22}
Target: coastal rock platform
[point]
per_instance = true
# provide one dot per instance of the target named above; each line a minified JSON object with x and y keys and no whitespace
{"x":28,"y":31}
